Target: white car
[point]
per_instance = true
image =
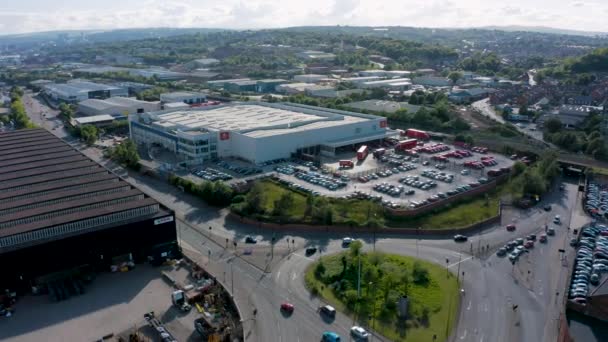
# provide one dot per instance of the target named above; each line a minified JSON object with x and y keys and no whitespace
{"x":557,"y":219}
{"x":359,"y":332}
{"x":347,"y":241}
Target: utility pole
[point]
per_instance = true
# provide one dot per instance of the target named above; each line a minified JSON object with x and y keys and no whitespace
{"x":359,"y":278}
{"x":447,"y":271}
{"x":231,"y":280}
{"x":458,"y":272}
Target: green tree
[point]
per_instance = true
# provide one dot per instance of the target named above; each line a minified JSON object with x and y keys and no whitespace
{"x":553,"y":125}
{"x":518,"y":168}
{"x":455,"y":76}
{"x":89,"y":134}
{"x":420,"y":274}
{"x":283,"y":204}
{"x":255,"y":199}
{"x":355,"y":248}
{"x":533,"y":182}
{"x":126,"y":153}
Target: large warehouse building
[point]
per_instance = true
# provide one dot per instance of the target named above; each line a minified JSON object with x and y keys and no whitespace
{"x":79,"y":90}
{"x":116,"y":106}
{"x":255,"y":131}
{"x":60,"y":211}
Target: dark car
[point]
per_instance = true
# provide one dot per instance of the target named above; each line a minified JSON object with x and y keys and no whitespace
{"x":547,"y":207}
{"x":532,"y":237}
{"x":287,"y":307}
{"x":328,"y":311}
{"x":510,"y":227}
{"x":250,"y":239}
{"x":311,"y":250}
{"x":460,"y":238}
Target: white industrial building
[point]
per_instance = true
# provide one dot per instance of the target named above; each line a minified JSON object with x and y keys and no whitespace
{"x":79,"y":90}
{"x":116,"y":106}
{"x":183,"y":96}
{"x":299,"y":88}
{"x":254,"y":131}
{"x":385,"y":73}
{"x":309,"y":78}
{"x":360,"y":80}
{"x":96,"y":120}
{"x":391,"y":84}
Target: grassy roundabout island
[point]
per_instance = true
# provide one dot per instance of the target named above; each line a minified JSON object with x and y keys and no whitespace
{"x":433,"y":294}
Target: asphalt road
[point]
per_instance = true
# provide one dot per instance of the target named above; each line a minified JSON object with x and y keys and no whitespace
{"x":492,"y":285}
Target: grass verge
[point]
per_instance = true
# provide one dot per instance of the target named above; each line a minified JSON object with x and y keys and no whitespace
{"x":433,"y":294}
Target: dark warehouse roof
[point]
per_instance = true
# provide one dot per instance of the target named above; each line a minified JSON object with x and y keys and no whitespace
{"x":49,"y":190}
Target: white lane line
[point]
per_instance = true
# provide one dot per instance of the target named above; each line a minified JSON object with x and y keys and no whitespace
{"x":464,"y":335}
{"x":458,"y":262}
{"x":481,"y":338}
{"x":278,"y":275}
{"x":294,"y":276}
{"x":485,"y":307}
{"x":303,"y":256}
{"x":469,"y":306}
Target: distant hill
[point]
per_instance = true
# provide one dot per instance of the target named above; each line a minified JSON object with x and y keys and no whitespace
{"x":83,"y":36}
{"x":543,"y":29}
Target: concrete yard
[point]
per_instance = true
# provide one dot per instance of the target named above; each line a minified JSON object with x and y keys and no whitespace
{"x":113,"y":303}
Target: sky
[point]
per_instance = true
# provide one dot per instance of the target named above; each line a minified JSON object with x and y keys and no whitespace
{"x":20,"y":16}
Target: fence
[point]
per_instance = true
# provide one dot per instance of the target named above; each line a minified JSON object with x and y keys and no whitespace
{"x":294,"y":227}
{"x":431,"y":206}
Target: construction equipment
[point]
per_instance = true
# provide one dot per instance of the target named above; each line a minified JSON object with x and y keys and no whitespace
{"x":165,"y":335}
{"x":178,"y":298}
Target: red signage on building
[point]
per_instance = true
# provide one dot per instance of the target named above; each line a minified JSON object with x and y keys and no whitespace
{"x":383,"y":124}
{"x":224,"y":135}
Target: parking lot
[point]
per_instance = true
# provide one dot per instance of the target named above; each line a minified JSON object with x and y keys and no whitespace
{"x":398,"y":180}
{"x":591,"y":264}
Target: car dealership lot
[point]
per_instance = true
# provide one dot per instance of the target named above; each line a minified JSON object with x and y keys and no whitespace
{"x":399,"y":179}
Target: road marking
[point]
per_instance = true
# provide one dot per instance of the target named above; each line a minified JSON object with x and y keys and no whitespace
{"x":294,"y":276}
{"x":458,"y":262}
{"x":464,"y":335}
{"x":278,"y":275}
{"x":303,"y":256}
{"x":469,"y":306}
{"x":485,"y":307}
{"x":481,"y":338}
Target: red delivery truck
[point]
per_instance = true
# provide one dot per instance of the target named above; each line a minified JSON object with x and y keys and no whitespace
{"x":347,"y":163}
{"x":406,"y":144}
{"x":362,"y":152}
{"x":418,"y":134}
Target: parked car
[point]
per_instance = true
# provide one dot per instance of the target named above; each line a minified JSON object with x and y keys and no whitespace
{"x":250,"y":239}
{"x":347,"y":241}
{"x":311,"y":250}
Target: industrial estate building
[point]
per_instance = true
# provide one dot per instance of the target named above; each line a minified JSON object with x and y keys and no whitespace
{"x":116,"y":106}
{"x":79,"y":90}
{"x":184,"y":97}
{"x":60,"y":211}
{"x":255,"y":132}
{"x":102,"y":120}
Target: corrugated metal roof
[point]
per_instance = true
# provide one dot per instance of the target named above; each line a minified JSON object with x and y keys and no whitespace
{"x":44,"y":182}
{"x":79,"y":216}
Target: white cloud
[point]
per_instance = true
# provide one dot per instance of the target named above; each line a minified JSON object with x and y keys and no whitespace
{"x":41,"y":15}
